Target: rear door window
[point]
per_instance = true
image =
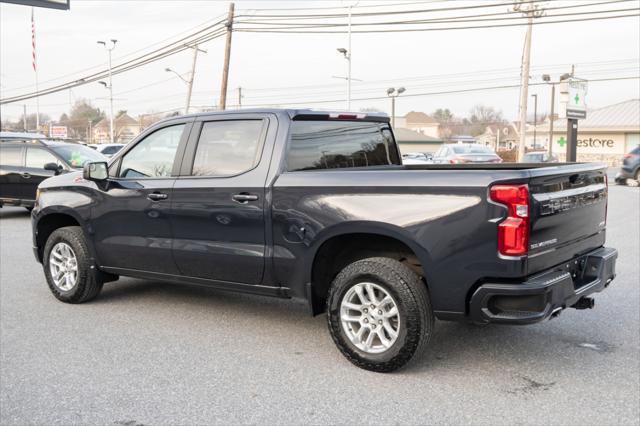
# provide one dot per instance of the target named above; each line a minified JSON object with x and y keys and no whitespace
{"x":340,"y":145}
{"x":38,"y":157}
{"x":227,"y":148}
{"x":11,"y":156}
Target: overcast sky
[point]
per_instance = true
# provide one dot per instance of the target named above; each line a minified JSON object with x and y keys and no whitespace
{"x":277,"y":68}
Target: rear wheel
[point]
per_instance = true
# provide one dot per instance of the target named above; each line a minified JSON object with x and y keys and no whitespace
{"x":68,"y":268}
{"x":379,"y":314}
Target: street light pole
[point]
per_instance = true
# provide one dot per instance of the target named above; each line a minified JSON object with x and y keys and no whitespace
{"x":110,"y":87}
{"x":347,"y":56}
{"x":393,"y":94}
{"x":349,"y":65}
{"x":189,"y":82}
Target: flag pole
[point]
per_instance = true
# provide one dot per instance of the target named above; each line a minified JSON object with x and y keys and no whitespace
{"x":35,"y":68}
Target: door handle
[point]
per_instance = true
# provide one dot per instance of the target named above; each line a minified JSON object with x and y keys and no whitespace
{"x":244,"y":198}
{"x":156,"y":196}
{"x":26,"y":175}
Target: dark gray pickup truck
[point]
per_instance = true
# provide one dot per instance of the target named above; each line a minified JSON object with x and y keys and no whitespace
{"x":318,"y":206}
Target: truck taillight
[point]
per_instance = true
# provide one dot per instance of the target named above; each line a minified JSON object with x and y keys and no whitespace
{"x":513,"y":232}
{"x":606,"y":201}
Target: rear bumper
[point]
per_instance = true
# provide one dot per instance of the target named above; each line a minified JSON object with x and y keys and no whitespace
{"x":546,"y":293}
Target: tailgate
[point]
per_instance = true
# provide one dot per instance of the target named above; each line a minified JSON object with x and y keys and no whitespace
{"x":568,"y":213}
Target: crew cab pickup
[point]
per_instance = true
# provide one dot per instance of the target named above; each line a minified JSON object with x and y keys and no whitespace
{"x":318,"y":206}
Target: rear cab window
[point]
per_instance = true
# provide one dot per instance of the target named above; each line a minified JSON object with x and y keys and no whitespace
{"x":320,"y":145}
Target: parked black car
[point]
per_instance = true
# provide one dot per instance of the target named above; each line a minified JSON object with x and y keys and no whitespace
{"x":318,"y":206}
{"x":26,"y":160}
{"x":630,"y":167}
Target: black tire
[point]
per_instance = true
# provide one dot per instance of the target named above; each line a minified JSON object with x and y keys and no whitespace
{"x":414,"y":307}
{"x":87,"y":286}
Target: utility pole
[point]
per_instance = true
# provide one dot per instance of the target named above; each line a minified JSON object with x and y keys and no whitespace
{"x":239,"y":97}
{"x":110,"y":87}
{"x":535,"y":118}
{"x":531,"y":11}
{"x":227,"y":54}
{"x":24,"y":119}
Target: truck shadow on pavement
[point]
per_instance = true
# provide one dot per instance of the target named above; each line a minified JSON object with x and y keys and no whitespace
{"x":453,"y":345}
{"x":12,"y":213}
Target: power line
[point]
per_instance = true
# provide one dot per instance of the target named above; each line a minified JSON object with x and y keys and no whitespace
{"x":445,"y":92}
{"x":121,"y":68}
{"x":391,"y":4}
{"x":446,"y":20}
{"x":285,"y":31}
{"x":119,"y":57}
{"x":394,"y":12}
{"x":461,"y":18}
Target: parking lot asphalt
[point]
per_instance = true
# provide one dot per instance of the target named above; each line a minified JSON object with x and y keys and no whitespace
{"x":147,"y":353}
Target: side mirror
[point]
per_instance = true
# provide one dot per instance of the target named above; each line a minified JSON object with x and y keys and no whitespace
{"x":96,"y":171}
{"x":53,"y":167}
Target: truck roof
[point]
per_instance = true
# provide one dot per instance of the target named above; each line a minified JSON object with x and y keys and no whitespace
{"x":299,"y":113}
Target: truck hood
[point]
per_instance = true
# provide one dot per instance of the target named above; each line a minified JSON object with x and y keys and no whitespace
{"x":73,"y":178}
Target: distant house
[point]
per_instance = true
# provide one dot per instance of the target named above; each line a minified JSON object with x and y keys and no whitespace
{"x":412,"y":141}
{"x":419,"y":122}
{"x":500,"y":137}
{"x":125,"y":129}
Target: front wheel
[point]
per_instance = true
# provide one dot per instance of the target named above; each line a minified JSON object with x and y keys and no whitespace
{"x":68,"y":268}
{"x":379,"y":314}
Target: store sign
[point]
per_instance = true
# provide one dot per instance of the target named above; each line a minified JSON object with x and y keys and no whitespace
{"x":51,"y":4}
{"x":576,"y":105}
{"x":58,"y":132}
{"x":596,"y":143}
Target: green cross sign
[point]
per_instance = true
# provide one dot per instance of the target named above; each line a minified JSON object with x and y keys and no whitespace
{"x":562,"y":141}
{"x":577,"y":99}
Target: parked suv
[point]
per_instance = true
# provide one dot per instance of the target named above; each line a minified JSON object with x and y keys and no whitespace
{"x":28,"y":159}
{"x":318,"y":206}
{"x":630,"y":167}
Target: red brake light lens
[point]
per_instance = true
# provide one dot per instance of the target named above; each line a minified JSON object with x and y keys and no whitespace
{"x":347,"y":116}
{"x":513,"y":232}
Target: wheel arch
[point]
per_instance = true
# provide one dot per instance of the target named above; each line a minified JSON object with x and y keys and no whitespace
{"x":341,"y":245}
{"x":48,"y":222}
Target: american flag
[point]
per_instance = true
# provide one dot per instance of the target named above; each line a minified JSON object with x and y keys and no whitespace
{"x":33,"y":39}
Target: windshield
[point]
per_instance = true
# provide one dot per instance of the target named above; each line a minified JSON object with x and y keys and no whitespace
{"x":472,"y":149}
{"x":77,"y":155}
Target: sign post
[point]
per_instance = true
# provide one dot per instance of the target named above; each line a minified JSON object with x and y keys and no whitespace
{"x":576,"y":109}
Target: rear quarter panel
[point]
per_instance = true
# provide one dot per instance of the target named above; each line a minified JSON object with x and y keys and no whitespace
{"x":443,"y":215}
